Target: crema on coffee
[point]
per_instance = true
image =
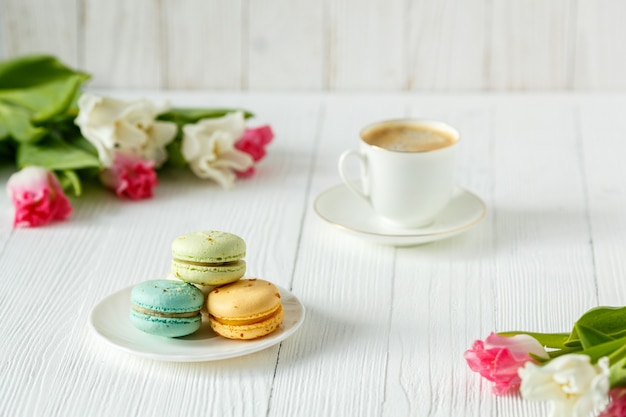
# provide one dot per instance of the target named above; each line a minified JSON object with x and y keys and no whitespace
{"x":408,"y":137}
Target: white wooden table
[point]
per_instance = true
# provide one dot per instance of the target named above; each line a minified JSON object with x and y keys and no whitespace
{"x":386,"y":327}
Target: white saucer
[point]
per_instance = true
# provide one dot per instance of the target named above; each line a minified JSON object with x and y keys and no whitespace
{"x":342,"y":209}
{"x":110,"y":322}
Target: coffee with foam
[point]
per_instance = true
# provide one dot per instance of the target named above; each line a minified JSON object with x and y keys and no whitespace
{"x":408,"y":137}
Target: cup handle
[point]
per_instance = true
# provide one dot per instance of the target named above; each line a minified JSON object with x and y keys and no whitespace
{"x":352,"y":186}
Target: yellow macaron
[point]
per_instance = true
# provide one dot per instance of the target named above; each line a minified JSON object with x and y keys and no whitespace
{"x":246,"y":309}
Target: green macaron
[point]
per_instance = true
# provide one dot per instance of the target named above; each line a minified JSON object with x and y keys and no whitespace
{"x":208,"y":257}
{"x":166,"y":308}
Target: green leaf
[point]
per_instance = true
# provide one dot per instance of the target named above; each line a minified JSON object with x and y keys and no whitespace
{"x":610,"y":321}
{"x":589,"y":336}
{"x":175,"y":155}
{"x":81,"y":143}
{"x":614,"y":349}
{"x":48,"y":100}
{"x":69,"y":180}
{"x":35,"y":89}
{"x":550,"y":340}
{"x":7,"y":151}
{"x":553,"y":342}
{"x":31,"y":70}
{"x":15,"y":122}
{"x":560,"y":352}
{"x":617,"y":373}
{"x":182,"y":116}
{"x":55,"y":155}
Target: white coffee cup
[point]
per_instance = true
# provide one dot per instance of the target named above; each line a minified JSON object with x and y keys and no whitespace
{"x":408,"y":169}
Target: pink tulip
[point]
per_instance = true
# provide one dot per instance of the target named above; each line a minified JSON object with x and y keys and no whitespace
{"x":37,"y":197}
{"x":498,"y":359}
{"x":253,"y":142}
{"x":617,"y":406}
{"x":130,"y":177}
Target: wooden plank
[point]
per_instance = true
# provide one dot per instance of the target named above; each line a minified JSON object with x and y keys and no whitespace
{"x":504,"y":272}
{"x":339,"y":358}
{"x":601,"y":122}
{"x":307,"y":45}
{"x":366,"y":45}
{"x":600,"y":63}
{"x":33,"y":26}
{"x":203,"y":44}
{"x":6,"y":210}
{"x":531,"y":45}
{"x":446,"y":48}
{"x":123,"y":43}
{"x":543,"y":263}
{"x":443,"y":291}
{"x":542,"y":223}
{"x":286,"y":45}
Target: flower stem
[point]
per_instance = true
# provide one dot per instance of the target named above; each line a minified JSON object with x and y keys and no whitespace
{"x":550,"y":340}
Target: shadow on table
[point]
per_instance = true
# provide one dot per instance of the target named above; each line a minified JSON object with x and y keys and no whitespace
{"x":527,"y":227}
{"x":505,"y":229}
{"x":318,"y":334}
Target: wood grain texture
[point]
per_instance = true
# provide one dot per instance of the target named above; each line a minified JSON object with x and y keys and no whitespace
{"x":445,"y":286}
{"x":345,"y":320}
{"x":367,"y":43}
{"x":345,"y":45}
{"x":539,"y":200}
{"x":447,"y":48}
{"x":34,"y":26}
{"x":599,"y":126}
{"x":386,"y":327}
{"x":123,"y":43}
{"x":207,"y":55}
{"x":598,"y":43}
{"x":286,"y":45}
{"x":531,"y":45}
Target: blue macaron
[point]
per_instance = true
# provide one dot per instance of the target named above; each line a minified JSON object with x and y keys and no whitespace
{"x":166,"y":308}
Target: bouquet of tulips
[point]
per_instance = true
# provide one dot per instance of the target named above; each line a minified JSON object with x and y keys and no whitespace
{"x":582,"y":373}
{"x":57,"y":136}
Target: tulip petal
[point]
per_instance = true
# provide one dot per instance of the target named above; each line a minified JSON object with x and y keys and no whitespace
{"x":37,"y":197}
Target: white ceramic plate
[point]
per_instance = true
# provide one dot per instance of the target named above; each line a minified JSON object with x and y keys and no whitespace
{"x":339,"y":207}
{"x":110,"y":322}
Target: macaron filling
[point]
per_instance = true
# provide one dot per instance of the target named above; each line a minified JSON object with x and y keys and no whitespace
{"x":157,"y":313}
{"x":197,"y":263}
{"x":244,"y":321}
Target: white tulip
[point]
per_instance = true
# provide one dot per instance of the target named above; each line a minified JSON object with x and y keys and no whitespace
{"x":209,"y":148}
{"x":115,"y":126}
{"x":575,"y":386}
